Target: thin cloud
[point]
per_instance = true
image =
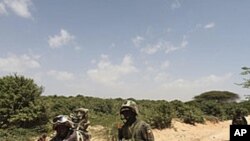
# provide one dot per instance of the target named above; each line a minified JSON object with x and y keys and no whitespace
{"x":165,"y":64}
{"x":110,"y":74}
{"x":161,"y":77}
{"x":165,"y":46}
{"x":64,"y":38}
{"x":137,"y":41}
{"x":172,"y":48}
{"x":61,"y":75}
{"x":201,"y":82}
{"x":155,"y":72}
{"x":113,"y":45}
{"x":209,"y":26}
{"x":77,"y":48}
{"x":153,"y":48}
{"x":176,"y":4}
{"x":186,"y":88}
{"x":20,"y":7}
{"x":3,"y":10}
{"x":215,"y":79}
{"x":14,"y":63}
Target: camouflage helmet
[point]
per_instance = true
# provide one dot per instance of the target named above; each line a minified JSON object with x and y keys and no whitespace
{"x":62,"y":120}
{"x":84,"y":110}
{"x":129,"y":105}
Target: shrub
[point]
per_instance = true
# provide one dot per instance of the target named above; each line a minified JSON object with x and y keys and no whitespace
{"x":19,"y":102}
{"x":192,"y":115}
{"x":160,"y":115}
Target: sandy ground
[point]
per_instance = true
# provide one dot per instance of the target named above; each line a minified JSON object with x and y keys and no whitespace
{"x":200,"y":132}
{"x":182,"y":132}
{"x":185,"y":132}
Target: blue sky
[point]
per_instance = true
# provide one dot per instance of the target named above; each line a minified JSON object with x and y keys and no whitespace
{"x":145,"y":49}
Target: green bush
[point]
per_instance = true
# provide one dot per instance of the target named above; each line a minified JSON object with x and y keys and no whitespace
{"x":213,"y":108}
{"x":17,"y":134}
{"x":160,"y":115}
{"x":188,"y":113}
{"x":178,"y":108}
{"x":20,"y":105}
{"x":192,"y":115}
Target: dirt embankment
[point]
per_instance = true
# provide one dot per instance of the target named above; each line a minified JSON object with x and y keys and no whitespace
{"x":200,"y":132}
{"x":185,"y":132}
{"x":180,"y":132}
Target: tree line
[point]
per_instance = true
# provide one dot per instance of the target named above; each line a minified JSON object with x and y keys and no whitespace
{"x":25,"y":112}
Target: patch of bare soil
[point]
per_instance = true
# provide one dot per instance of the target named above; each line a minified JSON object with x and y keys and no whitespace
{"x":200,"y":132}
{"x":184,"y":132}
{"x":180,"y":132}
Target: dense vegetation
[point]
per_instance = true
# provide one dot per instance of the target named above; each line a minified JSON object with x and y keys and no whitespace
{"x":246,"y":80}
{"x":24,"y":112}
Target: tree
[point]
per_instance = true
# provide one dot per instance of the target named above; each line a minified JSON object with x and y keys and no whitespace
{"x":218,"y":96}
{"x":19,"y":102}
{"x":245,"y":72}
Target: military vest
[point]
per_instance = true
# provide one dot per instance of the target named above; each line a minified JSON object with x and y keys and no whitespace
{"x":133,"y":132}
{"x":75,"y":136}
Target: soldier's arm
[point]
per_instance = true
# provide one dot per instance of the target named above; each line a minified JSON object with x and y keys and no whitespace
{"x":147,"y":133}
{"x":120,"y":136}
{"x":86,"y":125}
{"x":233,"y":121}
{"x":244,"y":120}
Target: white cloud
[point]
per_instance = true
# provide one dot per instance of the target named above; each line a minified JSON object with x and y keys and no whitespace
{"x":170,"y":47}
{"x":165,"y":46}
{"x":161,"y":77}
{"x":176,"y":4}
{"x":14,"y":63}
{"x":162,"y":85}
{"x":61,"y":75}
{"x":3,"y":10}
{"x":184,"y":43}
{"x":20,"y":7}
{"x":210,"y":25}
{"x":151,"y":49}
{"x":201,"y":82}
{"x":215,"y":79}
{"x":110,"y":74}
{"x":165,"y":64}
{"x":137,"y":41}
{"x":93,"y":61}
{"x":63,"y":38}
{"x":113,"y":45}
{"x":77,"y":48}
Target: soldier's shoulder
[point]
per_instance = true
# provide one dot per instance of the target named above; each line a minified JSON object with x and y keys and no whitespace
{"x":144,"y":124}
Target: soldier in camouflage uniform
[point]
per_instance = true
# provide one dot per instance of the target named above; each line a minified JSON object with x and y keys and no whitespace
{"x":65,"y":131}
{"x":81,"y":122}
{"x":133,"y":129}
{"x":239,"y":118}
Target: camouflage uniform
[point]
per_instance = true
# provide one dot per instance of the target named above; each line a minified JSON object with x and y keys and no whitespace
{"x":71,"y":137}
{"x":81,"y":122}
{"x":137,"y":130}
{"x":239,"y":118}
{"x":70,"y":134}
